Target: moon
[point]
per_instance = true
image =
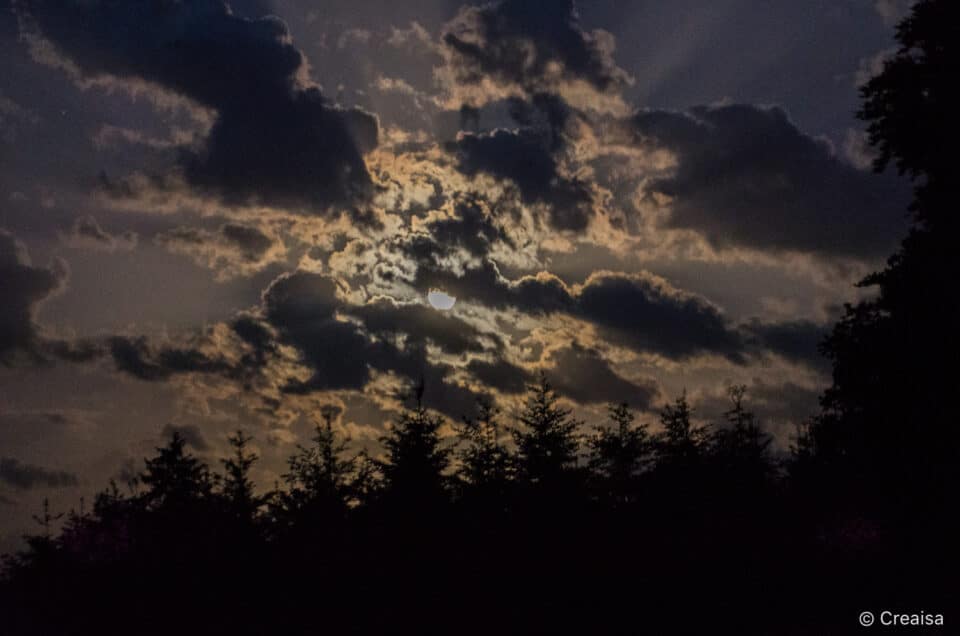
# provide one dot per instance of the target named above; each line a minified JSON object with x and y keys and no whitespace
{"x":440,"y":300}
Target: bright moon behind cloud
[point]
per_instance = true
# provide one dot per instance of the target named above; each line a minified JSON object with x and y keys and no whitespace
{"x":440,"y":300}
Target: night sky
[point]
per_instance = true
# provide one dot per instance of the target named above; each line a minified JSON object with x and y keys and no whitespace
{"x":217,"y":215}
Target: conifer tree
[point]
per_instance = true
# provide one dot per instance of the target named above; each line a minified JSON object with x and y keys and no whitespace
{"x":680,"y":443}
{"x":547,"y":442}
{"x":619,"y":452}
{"x":486,"y":465}
{"x":742,"y":446}
{"x":174,"y":477}
{"x":413,"y":470}
{"x":317,"y":476}
{"x":237,"y":487}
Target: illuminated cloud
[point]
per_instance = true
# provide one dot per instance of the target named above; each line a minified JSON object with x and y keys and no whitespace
{"x":518,"y":48}
{"x":233,"y":249}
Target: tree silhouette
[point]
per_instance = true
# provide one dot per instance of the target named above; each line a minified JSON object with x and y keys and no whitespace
{"x":885,"y":433}
{"x":741,"y":446}
{"x":486,"y":469}
{"x":414,"y":467}
{"x":680,"y":443}
{"x":317,"y":479}
{"x":619,"y":453}
{"x":174,"y":477}
{"x":237,"y":487}
{"x":546,"y":440}
{"x":46,"y":519}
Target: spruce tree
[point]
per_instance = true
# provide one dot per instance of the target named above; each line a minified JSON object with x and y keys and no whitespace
{"x":317,"y":477}
{"x":237,"y":487}
{"x":680,"y":443}
{"x":415,"y":463}
{"x":741,"y":445}
{"x":619,"y":452}
{"x":486,"y":467}
{"x":174,"y":477}
{"x":547,"y":441}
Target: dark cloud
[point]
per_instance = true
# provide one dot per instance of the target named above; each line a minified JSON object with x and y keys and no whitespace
{"x":191,"y":435}
{"x":583,"y":375}
{"x":385,"y":318}
{"x":501,"y":375}
{"x":524,"y":157}
{"x":471,"y":228}
{"x":260,"y":338}
{"x":87,"y":233}
{"x":748,"y":176}
{"x":646,"y":314}
{"x":274,"y":139}
{"x":22,"y":288}
{"x":302,"y":308}
{"x":300,"y":298}
{"x":529,"y":156}
{"x":27,"y":476}
{"x":533,"y":44}
{"x":639,"y":311}
{"x":138,"y":358}
{"x":795,"y":340}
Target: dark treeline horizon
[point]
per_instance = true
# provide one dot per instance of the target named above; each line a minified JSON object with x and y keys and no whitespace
{"x":530,"y":526}
{"x":527,"y":524}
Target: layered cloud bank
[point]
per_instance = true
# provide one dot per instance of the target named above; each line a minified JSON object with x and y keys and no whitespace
{"x":266,"y":216}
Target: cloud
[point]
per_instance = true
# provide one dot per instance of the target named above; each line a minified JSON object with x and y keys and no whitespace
{"x":524,"y":157}
{"x":140,"y":359}
{"x":644,"y":312}
{"x":747,"y":176}
{"x":22,"y":288}
{"x":798,"y":341}
{"x":275,"y":139}
{"x":892,"y":10}
{"x":302,"y":308}
{"x":501,"y":375}
{"x":640,"y":311}
{"x":582,"y":374}
{"x":14,"y":118}
{"x":522,"y":47}
{"x":27,"y":476}
{"x":233,"y":249}
{"x":471,"y":228}
{"x":86,"y":233}
{"x":385,"y":316}
{"x":191,"y":435}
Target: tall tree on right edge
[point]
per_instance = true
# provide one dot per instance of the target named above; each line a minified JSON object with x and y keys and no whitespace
{"x":886,"y":430}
